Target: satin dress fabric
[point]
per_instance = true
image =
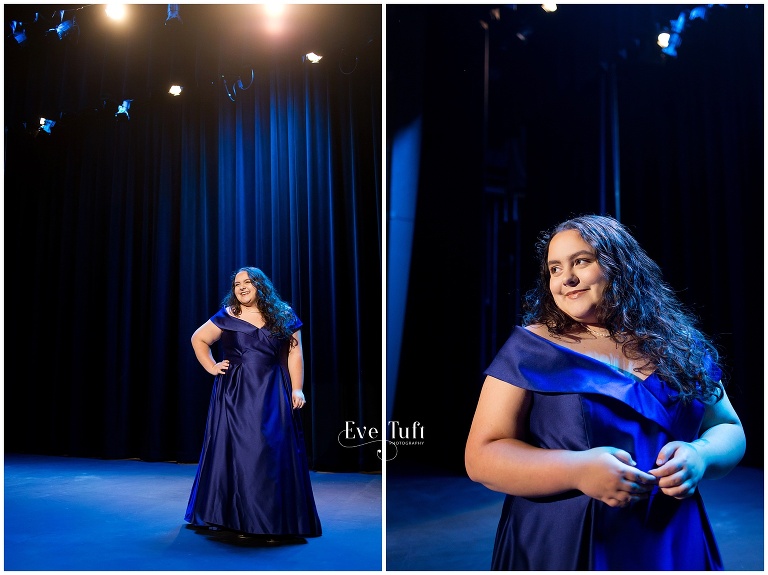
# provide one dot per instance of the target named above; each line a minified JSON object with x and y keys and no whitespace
{"x":253,"y":474}
{"x":579,"y":403}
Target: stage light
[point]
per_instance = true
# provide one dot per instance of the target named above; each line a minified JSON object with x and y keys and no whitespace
{"x":175,"y":90}
{"x":173,"y":15}
{"x":663,"y":39}
{"x":66,"y":27}
{"x":239,"y":83}
{"x":18,"y":32}
{"x":698,"y":12}
{"x":312,"y":58}
{"x":274,"y":8}
{"x":524,"y":34}
{"x":549,"y":7}
{"x":122,"y":110}
{"x":46,"y":125}
{"x":115,"y":11}
{"x":675,"y":36}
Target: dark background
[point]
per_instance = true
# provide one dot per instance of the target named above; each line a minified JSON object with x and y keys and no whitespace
{"x":121,"y":236}
{"x":519,"y":135}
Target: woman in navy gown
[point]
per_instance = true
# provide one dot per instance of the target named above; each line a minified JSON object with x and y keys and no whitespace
{"x":599,"y":418}
{"x":253,"y":475}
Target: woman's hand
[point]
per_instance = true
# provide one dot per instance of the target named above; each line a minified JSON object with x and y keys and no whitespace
{"x":608,"y":475}
{"x":219,"y":368}
{"x":680,"y":468}
{"x":298,"y":399}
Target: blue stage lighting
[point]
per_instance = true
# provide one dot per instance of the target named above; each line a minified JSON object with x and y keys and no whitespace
{"x":675,"y":36}
{"x":46,"y":125}
{"x":18,"y":32}
{"x":122,"y":110}
{"x":66,"y":27}
{"x":173,"y":15}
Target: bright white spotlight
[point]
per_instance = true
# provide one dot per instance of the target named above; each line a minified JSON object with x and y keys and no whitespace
{"x":115,"y":11}
{"x":175,"y":90}
{"x":549,"y":7}
{"x":674,"y":38}
{"x":663,"y":39}
{"x":312,"y":58}
{"x":274,"y":8}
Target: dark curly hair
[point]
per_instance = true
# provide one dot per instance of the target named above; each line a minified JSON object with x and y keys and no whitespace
{"x":278,"y":316}
{"x":639,"y":309}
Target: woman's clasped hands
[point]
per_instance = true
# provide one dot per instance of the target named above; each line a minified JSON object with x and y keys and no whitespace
{"x":609,"y":474}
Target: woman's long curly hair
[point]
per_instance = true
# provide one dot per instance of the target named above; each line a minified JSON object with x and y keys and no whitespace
{"x":639,"y":309}
{"x":278,"y":315}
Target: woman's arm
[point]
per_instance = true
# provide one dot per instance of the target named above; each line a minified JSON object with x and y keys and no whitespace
{"x":722,"y":441}
{"x":296,"y":371}
{"x":202,"y":340}
{"x":719,"y":448}
{"x":497,"y":456}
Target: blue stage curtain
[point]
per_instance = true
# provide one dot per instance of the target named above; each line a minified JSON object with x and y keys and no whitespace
{"x":121,"y":235}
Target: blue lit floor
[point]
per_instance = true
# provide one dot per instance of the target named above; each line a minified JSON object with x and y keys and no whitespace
{"x":441,"y":522}
{"x":64,"y":514}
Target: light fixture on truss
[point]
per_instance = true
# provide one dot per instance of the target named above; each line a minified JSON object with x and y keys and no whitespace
{"x":122,"y":110}
{"x":46,"y":124}
{"x":66,"y":27}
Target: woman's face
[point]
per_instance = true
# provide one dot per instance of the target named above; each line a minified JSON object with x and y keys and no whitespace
{"x":576,"y":279}
{"x":244,"y":289}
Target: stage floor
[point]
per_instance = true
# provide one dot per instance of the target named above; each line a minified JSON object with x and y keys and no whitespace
{"x":72,"y":514}
{"x":64,"y":514}
{"x":448,"y":523}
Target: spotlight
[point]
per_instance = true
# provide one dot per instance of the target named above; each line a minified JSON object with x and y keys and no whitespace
{"x":233,"y":93}
{"x":674,"y":38}
{"x":115,"y":11}
{"x":66,"y":27}
{"x":18,"y":32}
{"x":46,"y":125}
{"x":173,"y":15}
{"x":122,"y":110}
{"x":698,"y":12}
{"x":524,"y":34}
{"x":312,"y":58}
{"x":274,"y":8}
{"x":549,"y":7}
{"x":175,"y":90}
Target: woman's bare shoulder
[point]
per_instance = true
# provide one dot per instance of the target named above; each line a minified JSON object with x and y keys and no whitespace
{"x":543,"y":331}
{"x":538,"y":329}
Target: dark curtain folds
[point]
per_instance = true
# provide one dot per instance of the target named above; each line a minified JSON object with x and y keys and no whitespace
{"x":121,"y":236}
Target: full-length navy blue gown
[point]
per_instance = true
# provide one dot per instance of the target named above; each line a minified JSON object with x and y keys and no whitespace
{"x":253,"y":474}
{"x":580,"y":403}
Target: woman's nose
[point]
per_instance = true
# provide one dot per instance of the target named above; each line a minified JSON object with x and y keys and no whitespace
{"x":571,"y":280}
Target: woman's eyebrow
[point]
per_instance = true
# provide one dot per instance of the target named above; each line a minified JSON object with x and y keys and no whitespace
{"x":572,"y":256}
